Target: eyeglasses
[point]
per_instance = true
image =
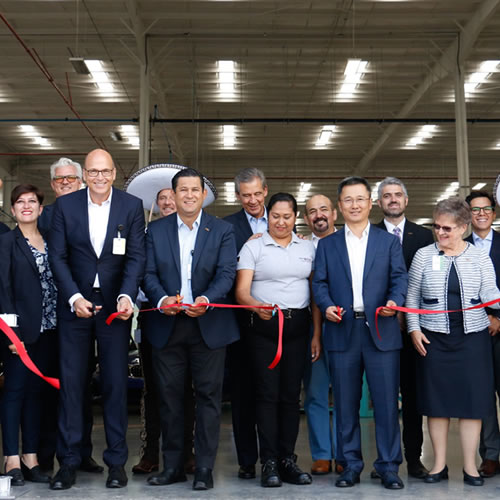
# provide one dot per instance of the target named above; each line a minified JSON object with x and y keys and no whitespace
{"x":107,"y":172}
{"x":486,"y":210}
{"x":446,"y":229}
{"x":60,"y":178}
{"x":350,"y":201}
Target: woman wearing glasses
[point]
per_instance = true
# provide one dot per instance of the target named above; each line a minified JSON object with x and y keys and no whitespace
{"x":455,"y":370}
{"x":26,"y":289}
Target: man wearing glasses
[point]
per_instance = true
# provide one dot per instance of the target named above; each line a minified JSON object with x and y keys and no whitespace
{"x":97,"y":255}
{"x":357,"y":270}
{"x":65,"y":178}
{"x":482,"y":206}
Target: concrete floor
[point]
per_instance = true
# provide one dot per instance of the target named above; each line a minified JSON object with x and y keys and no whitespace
{"x":227,"y":485}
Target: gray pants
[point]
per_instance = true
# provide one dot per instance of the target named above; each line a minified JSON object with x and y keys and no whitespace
{"x":489,"y":446}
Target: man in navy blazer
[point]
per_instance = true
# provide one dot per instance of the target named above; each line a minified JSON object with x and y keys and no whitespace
{"x":393,"y":200}
{"x":251,"y":190}
{"x":483,"y":215}
{"x":191,"y":258}
{"x":358,"y":269}
{"x":97,"y":255}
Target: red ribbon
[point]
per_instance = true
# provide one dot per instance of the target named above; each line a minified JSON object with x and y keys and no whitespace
{"x":428,"y":311}
{"x":24,"y":355}
{"x":279,"y":349}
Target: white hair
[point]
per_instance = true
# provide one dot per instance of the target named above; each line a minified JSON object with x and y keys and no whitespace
{"x":64,"y":162}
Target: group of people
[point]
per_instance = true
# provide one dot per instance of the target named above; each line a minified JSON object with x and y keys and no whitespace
{"x":66,"y":267}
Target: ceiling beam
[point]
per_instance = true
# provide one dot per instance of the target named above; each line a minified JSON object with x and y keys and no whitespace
{"x":460,"y":47}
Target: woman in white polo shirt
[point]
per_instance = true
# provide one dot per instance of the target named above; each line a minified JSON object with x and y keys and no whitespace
{"x":275,"y":269}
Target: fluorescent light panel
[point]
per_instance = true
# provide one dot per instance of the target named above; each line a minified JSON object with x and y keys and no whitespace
{"x":226,"y":78}
{"x":99,"y":76}
{"x":451,"y":190}
{"x":480,"y":76}
{"x":131,"y":134}
{"x":478,"y":186}
{"x":228,"y":135}
{"x":31,"y":132}
{"x":423,"y":133}
{"x":325,"y":135}
{"x":352,"y":76}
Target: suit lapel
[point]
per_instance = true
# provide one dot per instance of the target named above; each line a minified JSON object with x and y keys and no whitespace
{"x":113,"y":221}
{"x":371,"y":247}
{"x":173,"y":240}
{"x":85,"y":195}
{"x":23,"y":245}
{"x":201,"y":238}
{"x":344,"y":256}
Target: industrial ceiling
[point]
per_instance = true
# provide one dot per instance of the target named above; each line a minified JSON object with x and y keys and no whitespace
{"x":283,"y":87}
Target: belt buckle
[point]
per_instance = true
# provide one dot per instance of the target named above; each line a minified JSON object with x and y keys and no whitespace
{"x":287,"y":314}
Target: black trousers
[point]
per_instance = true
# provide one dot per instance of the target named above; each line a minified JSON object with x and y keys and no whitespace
{"x":21,"y":406}
{"x":150,"y":406}
{"x":243,"y":402}
{"x":76,"y":340}
{"x":278,"y":390}
{"x":186,"y":350}
{"x":412,"y":422}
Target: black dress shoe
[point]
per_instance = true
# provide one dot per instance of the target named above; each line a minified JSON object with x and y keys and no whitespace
{"x":64,"y":479}
{"x":203,"y":479}
{"x":270,"y":477}
{"x":88,"y":464}
{"x":374,"y":474}
{"x":35,"y":474}
{"x":392,"y":481}
{"x":290,"y":472}
{"x":246,"y":472}
{"x":473,"y":480}
{"x":16,"y":477}
{"x":347,"y":479}
{"x":437,"y":477}
{"x":168,"y":476}
{"x":417,"y":469}
{"x":117,"y":478}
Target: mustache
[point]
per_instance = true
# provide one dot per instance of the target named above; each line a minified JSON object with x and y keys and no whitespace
{"x":319,"y":219}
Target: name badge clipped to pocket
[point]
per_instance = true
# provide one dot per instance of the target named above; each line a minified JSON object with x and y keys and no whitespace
{"x":119,"y":243}
{"x":437,"y":263}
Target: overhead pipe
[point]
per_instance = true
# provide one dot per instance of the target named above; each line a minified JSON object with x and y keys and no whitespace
{"x":334,"y":120}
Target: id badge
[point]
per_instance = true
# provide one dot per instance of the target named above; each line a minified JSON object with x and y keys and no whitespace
{"x":119,"y":246}
{"x":437,"y":262}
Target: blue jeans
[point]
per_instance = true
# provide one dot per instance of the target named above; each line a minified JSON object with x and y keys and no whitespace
{"x":322,"y":434}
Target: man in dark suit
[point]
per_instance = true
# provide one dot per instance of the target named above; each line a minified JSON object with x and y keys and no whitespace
{"x":482,"y":206}
{"x":191,"y":258}
{"x":65,"y":178}
{"x":96,"y":248}
{"x":251,"y":191}
{"x":393,"y":200}
{"x":358,"y":269}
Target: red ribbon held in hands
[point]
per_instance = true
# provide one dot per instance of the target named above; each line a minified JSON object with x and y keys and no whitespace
{"x":24,"y":355}
{"x":279,"y":350}
{"x":428,"y":311}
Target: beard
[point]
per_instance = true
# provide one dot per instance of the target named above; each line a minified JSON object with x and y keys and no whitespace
{"x":395,"y":212}
{"x":321,"y":229}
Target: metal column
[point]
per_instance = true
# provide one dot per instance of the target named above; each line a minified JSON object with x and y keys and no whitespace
{"x":461,"y":133}
{"x":144,"y":117}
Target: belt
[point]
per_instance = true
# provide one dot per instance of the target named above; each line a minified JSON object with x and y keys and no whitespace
{"x":359,"y":315}
{"x":96,"y":290}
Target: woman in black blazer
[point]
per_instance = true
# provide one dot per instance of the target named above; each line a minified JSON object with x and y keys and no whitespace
{"x":28,"y":290}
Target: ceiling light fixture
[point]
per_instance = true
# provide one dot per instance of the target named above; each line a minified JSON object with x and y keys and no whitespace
{"x":229,"y":192}
{"x":424,"y":132}
{"x":477,"y":78}
{"x":325,"y":135}
{"x":131,"y":134}
{"x":451,"y":190}
{"x":226,"y":78}
{"x":304,"y":188}
{"x":228,"y":135}
{"x":478,"y":186}
{"x":99,"y":76}
{"x":353,"y":73}
{"x":31,"y":132}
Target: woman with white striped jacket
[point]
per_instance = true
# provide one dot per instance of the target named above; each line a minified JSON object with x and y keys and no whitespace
{"x":455,"y":370}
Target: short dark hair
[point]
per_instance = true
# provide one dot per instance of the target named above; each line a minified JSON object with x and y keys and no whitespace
{"x":21,"y":189}
{"x":277,"y":197}
{"x":480,"y":194}
{"x":187,"y":172}
{"x":351,"y":181}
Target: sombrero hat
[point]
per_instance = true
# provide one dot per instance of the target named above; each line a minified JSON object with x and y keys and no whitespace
{"x":496,"y":190}
{"x":148,"y":181}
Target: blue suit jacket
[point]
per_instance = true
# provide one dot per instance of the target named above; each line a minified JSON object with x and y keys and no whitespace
{"x":74,"y":261}
{"x":212,"y":274}
{"x":384,"y":278}
{"x":241,"y":226}
{"x":495,"y":257}
{"x":20,"y":287}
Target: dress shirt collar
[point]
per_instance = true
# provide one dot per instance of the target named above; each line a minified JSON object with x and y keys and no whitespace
{"x":251,"y":218}
{"x":477,"y":239}
{"x":106,"y":202}
{"x":390,"y":226}
{"x":196,"y":223}
{"x":350,"y":234}
{"x":315,"y":239}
